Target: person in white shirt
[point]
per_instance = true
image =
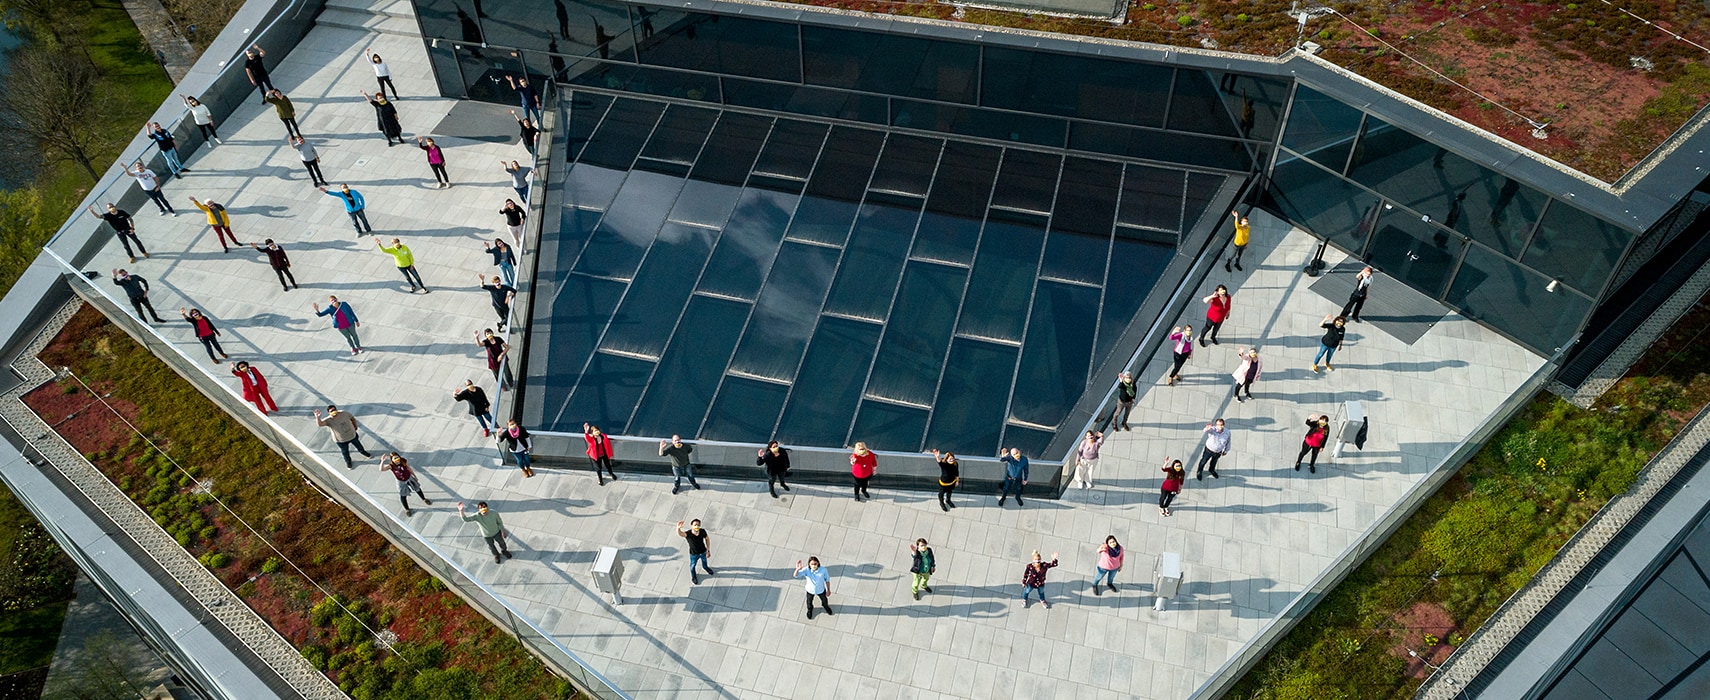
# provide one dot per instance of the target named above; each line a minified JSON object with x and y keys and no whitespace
{"x":150,"y":184}
{"x":382,"y":73}
{"x":311,"y":159}
{"x":204,"y":119}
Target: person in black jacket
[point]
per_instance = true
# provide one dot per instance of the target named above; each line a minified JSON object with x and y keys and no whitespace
{"x":517,"y":439}
{"x":949,"y":474}
{"x":137,"y":289}
{"x":280,"y":263}
{"x":479,"y":406}
{"x":205,"y":332}
{"x":1126,"y":391}
{"x":122,"y":224}
{"x":776,"y":459}
{"x":386,"y":115}
{"x":1334,"y":331}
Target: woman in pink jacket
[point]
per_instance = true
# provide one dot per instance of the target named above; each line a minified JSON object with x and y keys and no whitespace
{"x":862,"y":465}
{"x":255,"y":387}
{"x":1109,"y":562}
{"x":1246,"y":373}
{"x":1183,"y":335}
{"x":599,"y":450}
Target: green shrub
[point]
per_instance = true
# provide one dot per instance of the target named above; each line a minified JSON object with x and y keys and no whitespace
{"x":271,"y":565}
{"x":1185,"y":20}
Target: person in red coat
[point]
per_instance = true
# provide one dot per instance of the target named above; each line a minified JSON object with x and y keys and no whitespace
{"x":1317,"y":433}
{"x":255,"y":387}
{"x":862,"y":464}
{"x":599,"y":450}
{"x":1174,"y":475}
{"x":1216,"y":312}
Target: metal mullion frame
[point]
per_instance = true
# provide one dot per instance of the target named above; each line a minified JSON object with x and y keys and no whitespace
{"x":843,"y":250}
{"x":1032,"y":295}
{"x":749,"y":322}
{"x":608,"y":324}
{"x":1104,"y":288}
{"x":683,"y":311}
{"x":1282,"y":131}
{"x":1170,"y":96}
{"x":1359,"y":138}
{"x":1526,"y":247}
{"x":570,"y":164}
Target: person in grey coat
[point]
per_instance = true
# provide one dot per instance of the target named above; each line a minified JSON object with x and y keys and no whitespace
{"x":344,"y":428}
{"x":679,"y":452}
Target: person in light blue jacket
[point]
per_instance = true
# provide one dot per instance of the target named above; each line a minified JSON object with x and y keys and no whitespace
{"x":817,"y":583}
{"x":353,"y":205}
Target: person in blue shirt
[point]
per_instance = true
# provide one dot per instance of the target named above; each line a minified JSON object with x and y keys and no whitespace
{"x":353,"y":205}
{"x":343,"y":319}
{"x":168,"y":147}
{"x":818,"y":583}
{"x":1015,"y":475}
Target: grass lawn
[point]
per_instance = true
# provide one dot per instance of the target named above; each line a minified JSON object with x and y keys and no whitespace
{"x":1487,"y":532}
{"x":132,"y":85}
{"x":443,"y":650}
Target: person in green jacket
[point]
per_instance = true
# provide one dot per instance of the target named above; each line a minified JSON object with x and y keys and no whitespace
{"x":287,"y":113}
{"x":492,"y":528}
{"x":406,"y":263}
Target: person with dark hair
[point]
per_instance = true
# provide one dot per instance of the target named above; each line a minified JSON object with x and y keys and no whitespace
{"x":344,"y":321}
{"x":1014,"y":476}
{"x":776,"y":460}
{"x":256,"y":70}
{"x":520,"y":443}
{"x":949,"y":474}
{"x":136,"y":289}
{"x":206,"y":333}
{"x":203,"y":117}
{"x":1243,"y":234}
{"x":496,"y":348}
{"x":1317,"y":433}
{"x":354,"y":205}
{"x":1126,"y":392}
{"x":407,"y":482}
{"x":255,"y":388}
{"x":504,"y":259}
{"x":492,"y":528}
{"x":502,"y":294}
{"x":1357,"y":298}
{"x":1174,"y":476}
{"x":922,"y":564}
{"x":122,"y":225}
{"x":382,"y":73}
{"x":526,"y":94}
{"x":514,"y":217}
{"x":1183,"y":349}
{"x":599,"y":450}
{"x":1086,"y":458}
{"x":280,"y":262}
{"x":168,"y":146}
{"x":1246,"y":373}
{"x":345,"y":432}
{"x":529,"y":131}
{"x":699,"y":547}
{"x":818,"y":583}
{"x":436,"y":160}
{"x":479,"y":406}
{"x":285,"y":110}
{"x":405,"y":261}
{"x":1109,"y":562}
{"x":1334,"y":331}
{"x":386,"y":116}
{"x":311,"y":161}
{"x":1216,"y":312}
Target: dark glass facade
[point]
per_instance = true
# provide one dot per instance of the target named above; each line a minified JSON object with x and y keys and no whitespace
{"x":741,"y":278}
{"x":1480,"y":242}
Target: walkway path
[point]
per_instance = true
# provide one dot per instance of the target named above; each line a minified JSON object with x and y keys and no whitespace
{"x":172,"y":50}
{"x":1250,"y":540}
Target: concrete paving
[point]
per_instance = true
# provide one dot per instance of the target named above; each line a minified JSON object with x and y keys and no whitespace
{"x":1249,"y":541}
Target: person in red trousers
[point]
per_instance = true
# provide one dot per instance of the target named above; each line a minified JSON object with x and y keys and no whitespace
{"x":599,"y":450}
{"x":255,"y":387}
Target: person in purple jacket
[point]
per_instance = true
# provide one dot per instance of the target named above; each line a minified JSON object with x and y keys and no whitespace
{"x":1086,"y":458}
{"x":436,"y":160}
{"x":343,"y":319}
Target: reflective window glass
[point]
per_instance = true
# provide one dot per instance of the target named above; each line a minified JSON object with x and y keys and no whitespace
{"x":828,"y":389}
{"x":609,"y":389}
{"x":1057,"y":355}
{"x":1201,"y":189}
{"x":446,"y":74}
{"x":1577,"y":248}
{"x":873,"y":262}
{"x":622,"y":133}
{"x":484,"y":72}
{"x":575,"y":331}
{"x":1415,"y":251}
{"x":1152,"y":197}
{"x":1322,"y":203}
{"x":694,"y":363}
{"x":887,"y":426}
{"x":846,"y":164}
{"x":981,"y":123}
{"x":1136,"y":265}
{"x":919,"y":333}
{"x":1196,"y":106}
{"x":586,"y":111}
{"x":746,"y":410}
{"x":797,"y":99}
{"x":784,"y":316}
{"x":442,"y":19}
{"x":718,"y":43}
{"x":652,"y":81}
{"x":730,"y":151}
{"x":748,"y":243}
{"x":1027,"y":181}
{"x":968,"y":415}
{"x":792,"y":149}
{"x":680,"y":133}
{"x":1494,"y":290}
{"x":630,"y":225}
{"x":1075,"y":86}
{"x":661,"y":288}
{"x":950,"y":228}
{"x":1003,"y":275}
{"x":1152,"y":144}
{"x":906,"y":166}
{"x":1320,"y":127}
{"x":1256,"y":102}
{"x":890,"y":64}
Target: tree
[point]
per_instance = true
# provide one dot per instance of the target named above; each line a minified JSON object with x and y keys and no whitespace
{"x":51,"y":94}
{"x":41,"y":17}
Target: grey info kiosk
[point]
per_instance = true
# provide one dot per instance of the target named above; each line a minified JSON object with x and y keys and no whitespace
{"x":1166,"y":578}
{"x":608,"y":573}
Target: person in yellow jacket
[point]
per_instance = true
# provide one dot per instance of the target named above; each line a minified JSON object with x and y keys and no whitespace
{"x":1243,"y":233}
{"x":406,"y":263}
{"x":220,"y":220}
